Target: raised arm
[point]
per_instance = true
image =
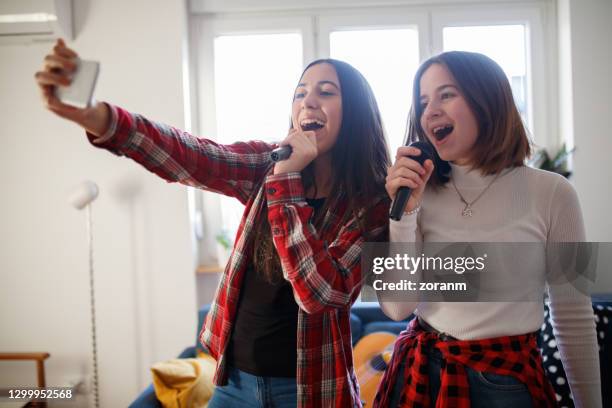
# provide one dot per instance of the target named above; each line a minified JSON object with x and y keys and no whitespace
{"x":177,"y":156}
{"x":174,"y":155}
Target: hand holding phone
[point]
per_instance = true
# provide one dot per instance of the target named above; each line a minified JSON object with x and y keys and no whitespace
{"x":67,"y":85}
{"x":80,"y":91}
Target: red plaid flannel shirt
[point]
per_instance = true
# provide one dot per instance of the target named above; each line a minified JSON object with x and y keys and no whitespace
{"x":509,"y":355}
{"x":322,"y":266}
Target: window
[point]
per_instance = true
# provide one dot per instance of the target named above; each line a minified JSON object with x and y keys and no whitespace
{"x":388,"y":58}
{"x":515,"y":37}
{"x":505,"y":44}
{"x":254,"y":80}
{"x":247,"y":61}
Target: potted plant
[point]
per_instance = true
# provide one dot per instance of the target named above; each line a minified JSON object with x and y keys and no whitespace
{"x":224,"y":247}
{"x":557,"y":164}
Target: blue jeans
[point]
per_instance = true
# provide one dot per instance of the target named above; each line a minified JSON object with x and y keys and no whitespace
{"x":246,"y":390}
{"x":486,"y":390}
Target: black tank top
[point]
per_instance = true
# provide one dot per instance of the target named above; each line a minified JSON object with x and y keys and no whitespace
{"x":264,"y":338}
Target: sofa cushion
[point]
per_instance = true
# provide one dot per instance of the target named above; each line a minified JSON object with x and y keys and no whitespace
{"x":184,"y":382}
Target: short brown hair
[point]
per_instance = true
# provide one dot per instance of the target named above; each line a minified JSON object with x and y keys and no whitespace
{"x":502,"y":139}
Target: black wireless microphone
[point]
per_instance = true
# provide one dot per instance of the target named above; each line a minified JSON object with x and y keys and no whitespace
{"x":281,"y":153}
{"x":403,"y":194}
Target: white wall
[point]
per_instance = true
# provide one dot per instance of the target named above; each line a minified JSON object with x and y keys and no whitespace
{"x":590,"y":32}
{"x":586,"y":86}
{"x":145,"y":287}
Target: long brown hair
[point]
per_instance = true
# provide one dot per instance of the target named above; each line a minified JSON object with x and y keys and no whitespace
{"x":359,"y":165}
{"x":502,"y":139}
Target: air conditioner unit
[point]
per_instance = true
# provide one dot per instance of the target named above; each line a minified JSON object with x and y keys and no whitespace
{"x":35,"y":20}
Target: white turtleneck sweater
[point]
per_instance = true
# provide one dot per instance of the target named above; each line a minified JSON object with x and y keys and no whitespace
{"x":522,"y":205}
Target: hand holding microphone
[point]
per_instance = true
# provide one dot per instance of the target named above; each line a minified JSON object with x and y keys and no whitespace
{"x":295,"y":152}
{"x":407,"y":178}
{"x":281,"y":153}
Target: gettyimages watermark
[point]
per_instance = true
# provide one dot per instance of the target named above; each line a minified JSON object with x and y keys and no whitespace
{"x":481,"y":271}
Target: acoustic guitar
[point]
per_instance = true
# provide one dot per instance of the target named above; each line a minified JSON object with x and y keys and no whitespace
{"x":371,"y":356}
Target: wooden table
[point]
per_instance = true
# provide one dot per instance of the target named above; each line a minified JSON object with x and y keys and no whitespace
{"x":38,"y":357}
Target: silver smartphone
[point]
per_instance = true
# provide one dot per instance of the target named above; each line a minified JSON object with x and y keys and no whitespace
{"x":80,"y":91}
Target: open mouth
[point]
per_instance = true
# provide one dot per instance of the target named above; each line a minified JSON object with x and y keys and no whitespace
{"x":311,"y":124}
{"x":441,"y":132}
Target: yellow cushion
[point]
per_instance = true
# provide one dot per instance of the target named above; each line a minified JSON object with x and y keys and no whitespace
{"x":184,"y":382}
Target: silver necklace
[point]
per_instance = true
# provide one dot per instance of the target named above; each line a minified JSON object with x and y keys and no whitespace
{"x":467,"y":210}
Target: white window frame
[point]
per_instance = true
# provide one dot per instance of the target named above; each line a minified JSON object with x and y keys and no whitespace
{"x":372,"y":19}
{"x":375,"y":19}
{"x":315,"y":22}
{"x":541,"y":115}
{"x":206,"y":28}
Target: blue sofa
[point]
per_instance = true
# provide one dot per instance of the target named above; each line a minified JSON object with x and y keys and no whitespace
{"x":368,"y":318}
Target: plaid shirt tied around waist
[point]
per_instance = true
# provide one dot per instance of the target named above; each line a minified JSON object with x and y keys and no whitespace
{"x":322,"y":266}
{"x":517,"y":356}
